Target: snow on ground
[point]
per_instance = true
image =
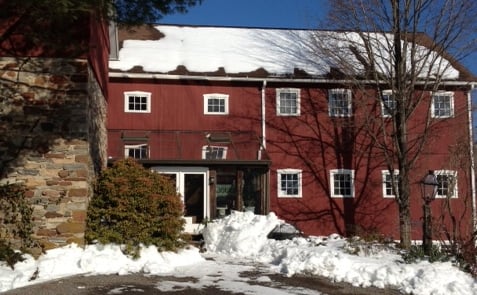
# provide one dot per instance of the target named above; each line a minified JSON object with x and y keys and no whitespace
{"x":244,"y":235}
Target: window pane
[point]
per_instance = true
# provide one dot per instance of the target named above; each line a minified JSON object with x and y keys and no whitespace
{"x":342,"y":184}
{"x":137,"y":103}
{"x":445,"y":185}
{"x":442,"y":106}
{"x":339,"y":103}
{"x":289,"y":183}
{"x":288,"y":103}
{"x":389,"y":104}
{"x":215,"y":153}
{"x":216,"y":105}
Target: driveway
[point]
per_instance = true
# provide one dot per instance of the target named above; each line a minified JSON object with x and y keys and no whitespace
{"x":212,"y":277}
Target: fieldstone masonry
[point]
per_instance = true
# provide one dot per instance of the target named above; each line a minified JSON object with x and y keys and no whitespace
{"x":52,"y":139}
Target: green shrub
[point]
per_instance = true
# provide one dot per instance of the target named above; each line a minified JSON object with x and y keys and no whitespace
{"x":416,"y":253}
{"x":16,"y":223}
{"x":133,"y":206}
{"x":9,"y":255}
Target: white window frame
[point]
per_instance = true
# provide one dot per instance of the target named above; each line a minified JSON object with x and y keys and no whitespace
{"x":295,"y":91}
{"x":334,"y":172}
{"x":448,"y":173}
{"x":128,"y":94}
{"x":220,"y":96}
{"x":281,"y":192}
{"x":385,"y":174}
{"x":332,"y":107}
{"x":206,"y":148}
{"x":384,"y":111}
{"x":449,"y":94}
{"x":128,"y":147}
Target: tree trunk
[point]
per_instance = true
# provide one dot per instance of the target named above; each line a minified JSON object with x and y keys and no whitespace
{"x":405,"y":227}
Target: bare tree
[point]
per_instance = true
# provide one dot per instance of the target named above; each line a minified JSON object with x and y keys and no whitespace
{"x":409,"y":47}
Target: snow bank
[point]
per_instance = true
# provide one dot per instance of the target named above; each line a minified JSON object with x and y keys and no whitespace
{"x":92,"y":260}
{"x":245,"y":235}
{"x":240,"y":234}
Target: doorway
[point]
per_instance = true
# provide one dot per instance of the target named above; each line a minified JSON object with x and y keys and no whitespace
{"x":192,"y":186}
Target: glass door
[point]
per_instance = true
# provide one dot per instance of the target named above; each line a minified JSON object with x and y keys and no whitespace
{"x":193,"y":193}
{"x":191,"y":185}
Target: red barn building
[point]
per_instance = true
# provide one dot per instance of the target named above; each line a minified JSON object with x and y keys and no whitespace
{"x":252,"y":119}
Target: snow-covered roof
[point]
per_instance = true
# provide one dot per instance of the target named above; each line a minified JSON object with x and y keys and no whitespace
{"x":245,"y":51}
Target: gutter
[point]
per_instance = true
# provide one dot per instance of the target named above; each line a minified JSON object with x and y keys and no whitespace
{"x":264,"y":140}
{"x":254,"y":79}
{"x":472,"y":162}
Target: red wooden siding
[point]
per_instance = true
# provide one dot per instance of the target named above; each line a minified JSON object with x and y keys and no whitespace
{"x":312,"y":142}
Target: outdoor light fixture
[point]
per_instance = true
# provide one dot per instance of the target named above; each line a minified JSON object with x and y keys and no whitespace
{"x":429,"y":190}
{"x":211,"y":180}
{"x":429,"y":186}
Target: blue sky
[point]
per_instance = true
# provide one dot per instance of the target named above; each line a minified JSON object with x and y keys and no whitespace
{"x":299,"y":14}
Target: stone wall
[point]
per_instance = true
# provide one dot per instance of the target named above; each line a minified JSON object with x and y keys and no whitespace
{"x":52,"y":139}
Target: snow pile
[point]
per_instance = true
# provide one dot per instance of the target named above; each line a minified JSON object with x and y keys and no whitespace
{"x":92,"y":260}
{"x":242,"y":235}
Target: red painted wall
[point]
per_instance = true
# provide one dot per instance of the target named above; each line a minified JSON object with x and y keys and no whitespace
{"x":313,"y":142}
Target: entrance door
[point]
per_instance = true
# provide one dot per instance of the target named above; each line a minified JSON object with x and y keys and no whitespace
{"x":191,"y":185}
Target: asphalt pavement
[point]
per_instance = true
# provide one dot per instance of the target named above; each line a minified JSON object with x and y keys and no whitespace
{"x":146,"y":284}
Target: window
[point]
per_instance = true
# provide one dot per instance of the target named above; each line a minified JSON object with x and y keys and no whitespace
{"x":339,"y":104}
{"x":138,"y":151}
{"x":388,"y":188}
{"x":447,"y":184}
{"x":442,"y":104}
{"x":216,"y":104}
{"x":289,"y":183}
{"x":388,"y":103}
{"x":342,"y":183}
{"x":288,"y":102}
{"x":214,"y":152}
{"x":137,"y":102}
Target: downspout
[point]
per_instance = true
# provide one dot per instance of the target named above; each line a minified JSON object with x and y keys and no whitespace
{"x":263,"y":123}
{"x":472,"y":167}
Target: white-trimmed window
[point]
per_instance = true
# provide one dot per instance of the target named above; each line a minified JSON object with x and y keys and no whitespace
{"x":288,"y":102}
{"x":137,"y":102}
{"x":388,"y":179}
{"x":342,"y":183}
{"x":137,"y":151}
{"x":388,"y":103}
{"x":447,"y":183}
{"x":442,"y":104}
{"x":289,"y":183}
{"x":216,"y":104}
{"x":211,"y":152}
{"x":339,"y":103}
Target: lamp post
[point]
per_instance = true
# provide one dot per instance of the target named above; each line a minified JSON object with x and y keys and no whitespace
{"x":429,"y":189}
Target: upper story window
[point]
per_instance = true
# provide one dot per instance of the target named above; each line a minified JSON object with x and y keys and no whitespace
{"x":289,"y":183}
{"x":442,"y":104}
{"x":137,"y":102}
{"x":138,"y":151}
{"x":388,"y":103}
{"x":447,"y":183}
{"x":339,"y":103}
{"x":390,"y":182}
{"x":342,"y":183}
{"x":210,"y":152}
{"x":288,"y":101}
{"x":216,"y":104}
